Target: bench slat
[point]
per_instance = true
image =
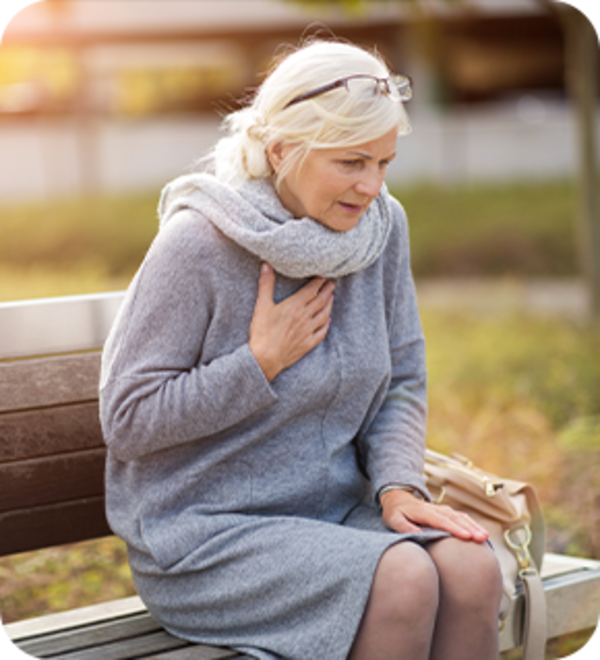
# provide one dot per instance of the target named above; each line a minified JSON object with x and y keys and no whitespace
{"x":66,"y":631}
{"x":48,"y":382}
{"x":37,"y":433}
{"x":200,"y":652}
{"x":140,"y":637}
{"x":58,"y":524}
{"x":573,"y":601}
{"x":125,"y":649}
{"x":51,"y":479}
{"x":80,"y":637}
{"x":88,"y":615}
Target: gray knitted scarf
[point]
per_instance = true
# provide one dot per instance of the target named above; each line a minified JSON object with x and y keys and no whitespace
{"x":252,"y":215}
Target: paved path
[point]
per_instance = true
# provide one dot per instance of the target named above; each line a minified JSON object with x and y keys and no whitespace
{"x":562,"y":297}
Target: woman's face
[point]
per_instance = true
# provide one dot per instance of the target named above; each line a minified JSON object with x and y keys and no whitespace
{"x":335,"y":186}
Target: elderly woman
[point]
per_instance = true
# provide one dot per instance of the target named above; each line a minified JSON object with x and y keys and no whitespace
{"x":263,"y":395}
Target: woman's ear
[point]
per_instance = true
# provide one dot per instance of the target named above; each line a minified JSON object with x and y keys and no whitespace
{"x":276,"y":153}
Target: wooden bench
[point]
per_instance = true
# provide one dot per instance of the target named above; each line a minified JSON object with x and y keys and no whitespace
{"x":51,"y":488}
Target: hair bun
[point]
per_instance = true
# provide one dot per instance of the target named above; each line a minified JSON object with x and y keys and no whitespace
{"x":257,"y":130}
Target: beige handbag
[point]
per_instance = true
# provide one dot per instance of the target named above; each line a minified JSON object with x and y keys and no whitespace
{"x":511,"y":512}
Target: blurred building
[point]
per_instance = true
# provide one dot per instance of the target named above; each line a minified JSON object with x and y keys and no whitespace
{"x":120,"y":95}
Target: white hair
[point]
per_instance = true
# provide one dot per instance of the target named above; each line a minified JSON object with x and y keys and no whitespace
{"x":332,"y":120}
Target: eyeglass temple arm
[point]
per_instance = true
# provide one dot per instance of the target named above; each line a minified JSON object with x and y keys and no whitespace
{"x":316,"y":92}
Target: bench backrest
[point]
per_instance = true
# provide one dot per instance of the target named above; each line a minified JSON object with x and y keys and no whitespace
{"x":51,"y":447}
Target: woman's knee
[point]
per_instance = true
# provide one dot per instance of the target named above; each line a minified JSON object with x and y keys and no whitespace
{"x":406,"y":582}
{"x":399,"y":619}
{"x":469,"y":573}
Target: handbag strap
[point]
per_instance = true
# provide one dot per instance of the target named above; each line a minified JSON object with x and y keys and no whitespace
{"x":534,"y":619}
{"x":534,"y":622}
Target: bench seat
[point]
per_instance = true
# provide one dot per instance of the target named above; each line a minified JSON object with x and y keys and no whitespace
{"x":118,"y":630}
{"x":123,"y":629}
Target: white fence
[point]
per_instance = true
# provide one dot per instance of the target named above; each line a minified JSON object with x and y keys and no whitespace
{"x":44,"y":158}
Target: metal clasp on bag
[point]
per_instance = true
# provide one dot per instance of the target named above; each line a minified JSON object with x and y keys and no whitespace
{"x":520,"y":548}
{"x":440,"y":498}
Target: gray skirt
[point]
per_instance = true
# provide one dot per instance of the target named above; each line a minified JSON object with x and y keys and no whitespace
{"x":273,"y":587}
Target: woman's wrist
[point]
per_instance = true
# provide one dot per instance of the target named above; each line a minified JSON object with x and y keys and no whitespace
{"x":399,"y":488}
{"x":267,"y":364}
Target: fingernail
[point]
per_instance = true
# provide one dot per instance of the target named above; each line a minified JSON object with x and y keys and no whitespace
{"x":265,"y":268}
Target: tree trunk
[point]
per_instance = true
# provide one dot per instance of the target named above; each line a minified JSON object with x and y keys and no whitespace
{"x":582,"y":78}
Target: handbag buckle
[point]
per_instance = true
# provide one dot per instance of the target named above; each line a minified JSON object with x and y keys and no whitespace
{"x":440,"y":498}
{"x":520,"y":546}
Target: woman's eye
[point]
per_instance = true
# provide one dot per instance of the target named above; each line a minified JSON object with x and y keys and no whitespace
{"x":351,"y":163}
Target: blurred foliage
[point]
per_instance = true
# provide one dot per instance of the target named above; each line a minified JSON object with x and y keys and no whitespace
{"x":561,"y":647}
{"x":147,"y":90}
{"x":520,"y":396}
{"x":57,"y":579}
{"x":579,"y":443}
{"x":55,"y":67}
{"x":50,"y":79}
{"x":31,"y":78}
{"x":356,"y":5}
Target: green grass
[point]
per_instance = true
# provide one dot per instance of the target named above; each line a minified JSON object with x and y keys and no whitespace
{"x":111,"y":233}
{"x":547,"y":362}
{"x":515,"y":229}
{"x":26,"y":282}
{"x":74,"y":246}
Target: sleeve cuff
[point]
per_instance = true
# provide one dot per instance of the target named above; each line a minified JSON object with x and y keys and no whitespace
{"x":420,"y":493}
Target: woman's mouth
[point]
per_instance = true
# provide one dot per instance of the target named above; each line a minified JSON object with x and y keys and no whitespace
{"x":352,"y":208}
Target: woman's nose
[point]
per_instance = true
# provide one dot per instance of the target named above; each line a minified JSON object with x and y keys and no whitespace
{"x":370,"y":184}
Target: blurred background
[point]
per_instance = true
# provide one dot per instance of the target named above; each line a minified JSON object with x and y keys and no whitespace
{"x":114,"y":97}
{"x":101,"y":103}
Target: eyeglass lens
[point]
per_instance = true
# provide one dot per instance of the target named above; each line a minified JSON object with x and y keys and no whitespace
{"x":397,"y":87}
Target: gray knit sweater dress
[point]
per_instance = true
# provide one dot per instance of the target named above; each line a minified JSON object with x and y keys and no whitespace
{"x":247,"y":506}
